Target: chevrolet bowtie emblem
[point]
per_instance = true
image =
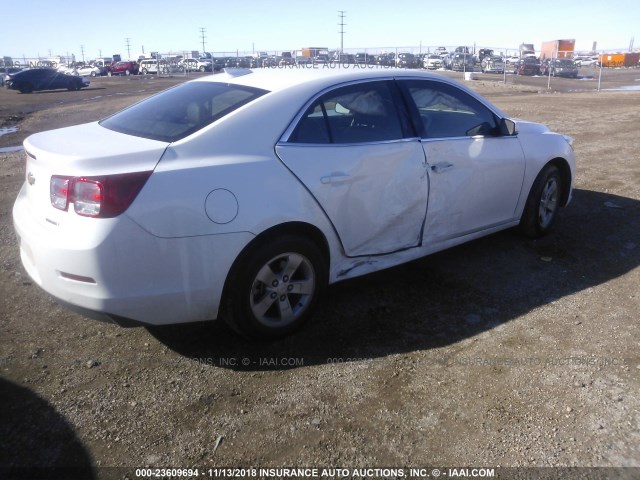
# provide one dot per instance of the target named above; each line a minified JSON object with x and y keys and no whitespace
{"x":30,"y":178}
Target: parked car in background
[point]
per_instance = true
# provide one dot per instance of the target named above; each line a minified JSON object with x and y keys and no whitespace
{"x":462,"y":62}
{"x":527,"y":66}
{"x":386,"y":59}
{"x":36,"y":79}
{"x":157,"y":214}
{"x":511,"y":60}
{"x":432,"y":62}
{"x":559,"y":67}
{"x":89,"y":71}
{"x":441,"y":51}
{"x":6,"y":71}
{"x":485,"y":53}
{"x":67,"y":69}
{"x":344,"y":58}
{"x":124,"y":68}
{"x":195,"y":65}
{"x":365,"y":59}
{"x":286,"y":59}
{"x":219,"y":62}
{"x":152,"y":66}
{"x":406,"y":60}
{"x":492,"y":64}
{"x":586,"y":61}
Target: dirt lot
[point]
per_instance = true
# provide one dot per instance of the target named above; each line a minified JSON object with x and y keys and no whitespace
{"x":503,"y":352}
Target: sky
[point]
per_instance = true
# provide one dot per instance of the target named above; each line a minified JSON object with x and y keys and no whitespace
{"x":40,"y":28}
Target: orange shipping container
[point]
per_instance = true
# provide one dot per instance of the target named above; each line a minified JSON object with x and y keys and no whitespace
{"x":557,"y":49}
{"x":619,"y":59}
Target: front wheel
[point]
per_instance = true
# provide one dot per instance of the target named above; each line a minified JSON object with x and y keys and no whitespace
{"x":543,"y":203}
{"x":274,"y":289}
{"x":26,"y":88}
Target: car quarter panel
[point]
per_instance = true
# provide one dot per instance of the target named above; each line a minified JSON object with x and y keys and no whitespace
{"x":236,"y":154}
{"x":542,"y":146}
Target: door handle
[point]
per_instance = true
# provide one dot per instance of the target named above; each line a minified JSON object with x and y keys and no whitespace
{"x":442,"y":167}
{"x":337,"y":178}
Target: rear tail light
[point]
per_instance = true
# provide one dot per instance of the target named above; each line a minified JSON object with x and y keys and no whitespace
{"x":104,"y":196}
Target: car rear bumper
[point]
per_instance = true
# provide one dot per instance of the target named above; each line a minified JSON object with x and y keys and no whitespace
{"x":119,"y":272}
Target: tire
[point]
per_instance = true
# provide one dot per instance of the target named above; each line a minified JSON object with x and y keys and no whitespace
{"x":93,"y":74}
{"x":109,"y":74}
{"x":127,"y":73}
{"x":202,"y":69}
{"x":543,"y":203}
{"x":274,"y":288}
{"x":26,"y":88}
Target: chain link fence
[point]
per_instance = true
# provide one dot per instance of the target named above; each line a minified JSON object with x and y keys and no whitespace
{"x":469,"y":60}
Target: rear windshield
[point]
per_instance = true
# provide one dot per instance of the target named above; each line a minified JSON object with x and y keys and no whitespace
{"x":180,"y":111}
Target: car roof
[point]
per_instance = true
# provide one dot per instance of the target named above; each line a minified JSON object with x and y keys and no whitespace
{"x":275,"y":79}
{"x":303,"y":83}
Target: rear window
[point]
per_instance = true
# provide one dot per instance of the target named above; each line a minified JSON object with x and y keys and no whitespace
{"x":180,"y":111}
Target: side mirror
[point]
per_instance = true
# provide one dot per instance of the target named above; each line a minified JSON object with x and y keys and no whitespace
{"x":507,"y":127}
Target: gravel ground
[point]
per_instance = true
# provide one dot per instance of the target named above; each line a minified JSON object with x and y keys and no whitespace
{"x":504,"y":352}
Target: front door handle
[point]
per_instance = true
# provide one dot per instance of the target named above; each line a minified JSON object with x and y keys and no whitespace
{"x":336,"y":178}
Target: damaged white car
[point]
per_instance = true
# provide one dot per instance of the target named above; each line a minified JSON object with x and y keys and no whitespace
{"x":242,"y":195}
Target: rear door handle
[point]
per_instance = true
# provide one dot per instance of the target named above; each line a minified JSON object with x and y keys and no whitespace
{"x":441,"y":167}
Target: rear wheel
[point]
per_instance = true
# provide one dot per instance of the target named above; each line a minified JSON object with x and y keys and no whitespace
{"x":543,"y":203}
{"x":274,"y":289}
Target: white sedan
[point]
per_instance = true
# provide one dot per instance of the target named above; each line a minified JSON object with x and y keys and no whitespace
{"x":242,"y":195}
{"x":88,"y":71}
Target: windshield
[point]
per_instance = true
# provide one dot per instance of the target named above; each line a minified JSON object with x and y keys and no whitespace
{"x":181,"y":111}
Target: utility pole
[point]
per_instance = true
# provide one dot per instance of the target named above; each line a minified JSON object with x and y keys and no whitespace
{"x":202,"y":32}
{"x":128,"y":40}
{"x":342,"y":24}
{"x":82,"y":51}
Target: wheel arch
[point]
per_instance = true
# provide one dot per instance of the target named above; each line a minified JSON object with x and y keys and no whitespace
{"x":565,"y":173}
{"x":301,"y":229}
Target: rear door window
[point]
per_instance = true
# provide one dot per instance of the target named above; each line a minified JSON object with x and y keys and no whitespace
{"x":359,"y":113}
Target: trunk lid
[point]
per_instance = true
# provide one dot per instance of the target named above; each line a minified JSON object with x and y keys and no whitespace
{"x":82,"y":151}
